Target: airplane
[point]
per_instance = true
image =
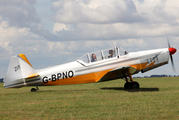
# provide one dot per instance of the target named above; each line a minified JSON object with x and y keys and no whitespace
{"x":100,"y":66}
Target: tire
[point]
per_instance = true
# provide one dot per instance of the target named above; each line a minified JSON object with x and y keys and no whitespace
{"x":33,"y":90}
{"x":127,"y":85}
{"x":135,"y":85}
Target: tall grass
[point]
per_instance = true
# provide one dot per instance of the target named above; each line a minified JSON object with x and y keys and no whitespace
{"x":158,"y":98}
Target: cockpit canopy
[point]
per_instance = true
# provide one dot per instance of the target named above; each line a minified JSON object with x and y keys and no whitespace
{"x":103,"y":54}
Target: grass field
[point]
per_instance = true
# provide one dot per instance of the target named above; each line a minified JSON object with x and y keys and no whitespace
{"x":158,"y":98}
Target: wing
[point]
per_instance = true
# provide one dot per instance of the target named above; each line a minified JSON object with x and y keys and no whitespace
{"x":118,"y":73}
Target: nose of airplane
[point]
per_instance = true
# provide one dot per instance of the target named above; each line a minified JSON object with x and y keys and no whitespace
{"x":172,"y":50}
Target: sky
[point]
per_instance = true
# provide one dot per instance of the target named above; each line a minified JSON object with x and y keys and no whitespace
{"x":59,"y":31}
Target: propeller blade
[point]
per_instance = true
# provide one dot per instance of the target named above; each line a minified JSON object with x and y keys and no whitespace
{"x":172,"y":51}
{"x":173,"y":66}
{"x":168,"y":43}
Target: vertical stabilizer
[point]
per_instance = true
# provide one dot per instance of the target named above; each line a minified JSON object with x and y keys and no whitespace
{"x":19,"y":68}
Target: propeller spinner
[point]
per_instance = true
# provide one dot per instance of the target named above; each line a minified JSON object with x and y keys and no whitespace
{"x":172,"y":50}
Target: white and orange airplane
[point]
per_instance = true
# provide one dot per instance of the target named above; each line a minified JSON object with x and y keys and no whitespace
{"x":100,"y":66}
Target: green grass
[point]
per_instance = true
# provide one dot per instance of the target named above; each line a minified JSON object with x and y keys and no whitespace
{"x":158,"y":98}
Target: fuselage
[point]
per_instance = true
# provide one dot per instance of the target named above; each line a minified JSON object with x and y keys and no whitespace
{"x":78,"y":72}
{"x":100,"y":66}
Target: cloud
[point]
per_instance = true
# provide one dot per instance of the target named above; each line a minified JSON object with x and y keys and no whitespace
{"x":95,"y":11}
{"x":157,"y":11}
{"x":96,"y":19}
{"x":84,"y":31}
{"x":21,"y":13}
{"x":61,"y":27}
{"x":109,"y":20}
{"x":15,"y":40}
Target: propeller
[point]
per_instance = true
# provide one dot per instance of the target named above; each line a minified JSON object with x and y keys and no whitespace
{"x":172,"y":51}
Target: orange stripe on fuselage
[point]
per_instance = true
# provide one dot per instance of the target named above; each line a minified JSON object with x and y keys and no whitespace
{"x":33,"y":75}
{"x":87,"y":78}
{"x":139,"y":66}
{"x":142,"y":66}
{"x":91,"y":77}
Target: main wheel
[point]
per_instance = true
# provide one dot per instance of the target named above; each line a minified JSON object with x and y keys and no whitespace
{"x":127,"y":85}
{"x":33,"y":90}
{"x":135,"y":85}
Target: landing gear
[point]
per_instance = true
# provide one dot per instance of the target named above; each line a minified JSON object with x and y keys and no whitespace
{"x":34,"y":90}
{"x":132,"y":84}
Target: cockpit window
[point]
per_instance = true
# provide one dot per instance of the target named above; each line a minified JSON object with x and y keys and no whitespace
{"x":96,"y":56}
{"x":85,"y":58}
{"x":103,"y":54}
{"x":122,"y":51}
{"x":99,"y":55}
{"x":109,"y":53}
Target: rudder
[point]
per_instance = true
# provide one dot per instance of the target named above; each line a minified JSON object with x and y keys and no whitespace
{"x":19,"y":68}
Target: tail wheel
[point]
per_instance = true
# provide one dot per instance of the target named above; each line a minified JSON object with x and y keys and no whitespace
{"x":135,"y":85}
{"x":33,"y":90}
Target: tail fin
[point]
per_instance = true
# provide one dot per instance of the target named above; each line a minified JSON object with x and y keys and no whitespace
{"x":18,"y":69}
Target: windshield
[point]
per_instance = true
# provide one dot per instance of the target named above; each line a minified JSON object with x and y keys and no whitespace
{"x":122,"y":51}
{"x":103,"y":54}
